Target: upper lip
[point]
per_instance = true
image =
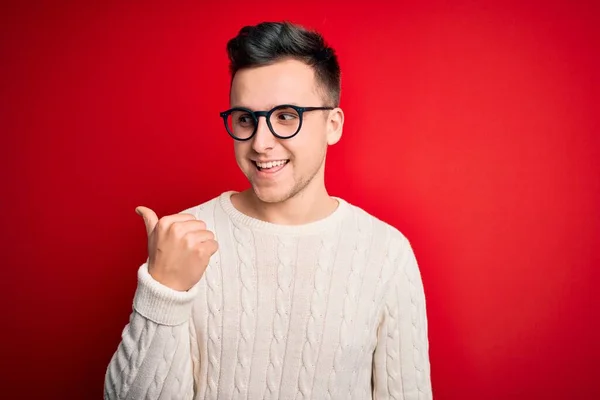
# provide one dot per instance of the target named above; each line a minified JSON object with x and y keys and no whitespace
{"x":273,"y":160}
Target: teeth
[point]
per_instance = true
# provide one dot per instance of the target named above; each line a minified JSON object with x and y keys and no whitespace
{"x":271,"y":164}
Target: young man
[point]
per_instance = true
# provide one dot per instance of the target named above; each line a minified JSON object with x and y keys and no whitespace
{"x":280,"y":291}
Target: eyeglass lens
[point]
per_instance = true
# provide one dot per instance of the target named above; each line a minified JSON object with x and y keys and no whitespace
{"x":284,"y":122}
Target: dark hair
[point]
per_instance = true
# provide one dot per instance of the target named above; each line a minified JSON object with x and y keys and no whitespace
{"x":269,"y":42}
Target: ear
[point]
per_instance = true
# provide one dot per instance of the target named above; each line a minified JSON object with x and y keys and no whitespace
{"x":335,"y":126}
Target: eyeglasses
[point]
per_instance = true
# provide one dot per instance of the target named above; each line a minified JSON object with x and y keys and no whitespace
{"x":284,"y":121}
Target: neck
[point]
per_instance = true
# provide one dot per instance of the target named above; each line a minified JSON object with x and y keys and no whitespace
{"x":305,"y":207}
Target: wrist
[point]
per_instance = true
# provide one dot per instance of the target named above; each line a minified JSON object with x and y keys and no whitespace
{"x":162,"y":303}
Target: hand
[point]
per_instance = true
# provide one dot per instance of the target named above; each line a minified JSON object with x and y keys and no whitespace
{"x":179,"y":248}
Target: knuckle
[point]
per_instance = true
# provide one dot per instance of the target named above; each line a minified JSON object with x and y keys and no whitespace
{"x":201,"y":251}
{"x":211,"y":246}
{"x":177,"y":230}
{"x":189,"y":240}
{"x":204,"y":250}
{"x":161,"y":226}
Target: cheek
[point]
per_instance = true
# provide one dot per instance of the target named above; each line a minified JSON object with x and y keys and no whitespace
{"x":240,"y":150}
{"x":241,"y":154}
{"x":312,"y":143}
{"x":308,"y":152}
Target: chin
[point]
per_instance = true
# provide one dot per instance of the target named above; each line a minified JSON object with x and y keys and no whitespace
{"x":274,"y":194}
{"x":280,"y":190}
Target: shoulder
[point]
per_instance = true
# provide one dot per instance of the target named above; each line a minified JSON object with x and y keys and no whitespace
{"x":391,"y":253}
{"x":378,"y":228}
{"x":399,"y":264}
{"x":387,"y":243}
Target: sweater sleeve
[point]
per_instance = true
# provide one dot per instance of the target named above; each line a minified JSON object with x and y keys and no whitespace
{"x":153,"y":359}
{"x":401,"y":367}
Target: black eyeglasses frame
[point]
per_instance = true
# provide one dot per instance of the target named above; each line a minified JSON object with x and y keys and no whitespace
{"x":267,"y":114}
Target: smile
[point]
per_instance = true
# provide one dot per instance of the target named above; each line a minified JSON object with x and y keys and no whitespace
{"x":270,"y":165}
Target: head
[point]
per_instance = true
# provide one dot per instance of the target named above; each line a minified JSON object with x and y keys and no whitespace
{"x":275,"y":64}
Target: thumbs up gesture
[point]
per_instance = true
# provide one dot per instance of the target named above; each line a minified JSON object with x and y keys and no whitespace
{"x":179,"y":248}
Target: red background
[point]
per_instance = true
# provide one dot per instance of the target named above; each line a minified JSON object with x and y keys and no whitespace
{"x":473,"y":128}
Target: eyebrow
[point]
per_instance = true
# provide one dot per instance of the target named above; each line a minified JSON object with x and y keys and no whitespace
{"x":269,"y":107}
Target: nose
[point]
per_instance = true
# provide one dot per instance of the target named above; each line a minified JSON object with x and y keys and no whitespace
{"x":263,"y":139}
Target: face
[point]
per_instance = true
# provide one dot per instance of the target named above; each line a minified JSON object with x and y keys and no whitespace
{"x":279,"y":169}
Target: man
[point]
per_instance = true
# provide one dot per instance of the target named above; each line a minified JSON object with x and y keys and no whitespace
{"x":280,"y":291}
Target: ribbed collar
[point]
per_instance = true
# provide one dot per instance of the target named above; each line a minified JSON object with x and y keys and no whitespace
{"x":332,"y":221}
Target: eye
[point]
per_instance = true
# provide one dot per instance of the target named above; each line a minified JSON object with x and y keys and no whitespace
{"x":244,"y":119}
{"x":285,"y":115}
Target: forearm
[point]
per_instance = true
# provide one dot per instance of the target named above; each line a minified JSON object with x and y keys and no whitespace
{"x":401,"y":360}
{"x":150,"y":359}
{"x":154,"y":354}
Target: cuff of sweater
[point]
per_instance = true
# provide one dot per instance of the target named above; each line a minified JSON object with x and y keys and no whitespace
{"x":159,"y":303}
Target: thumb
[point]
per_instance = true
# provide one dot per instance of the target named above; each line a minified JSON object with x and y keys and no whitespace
{"x":150,"y":218}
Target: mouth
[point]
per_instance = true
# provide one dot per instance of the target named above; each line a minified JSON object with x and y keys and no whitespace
{"x":270,"y":166}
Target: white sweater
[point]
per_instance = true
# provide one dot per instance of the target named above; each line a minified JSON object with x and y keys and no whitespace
{"x":333,"y":309}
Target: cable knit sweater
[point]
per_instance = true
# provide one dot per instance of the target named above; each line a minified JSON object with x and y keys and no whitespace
{"x":333,"y":309}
